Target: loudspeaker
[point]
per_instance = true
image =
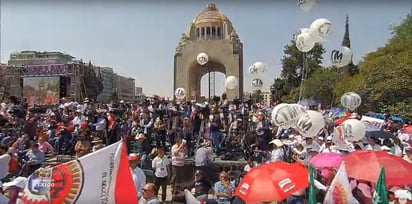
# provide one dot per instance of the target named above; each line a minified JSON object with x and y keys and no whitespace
{"x":64,"y":81}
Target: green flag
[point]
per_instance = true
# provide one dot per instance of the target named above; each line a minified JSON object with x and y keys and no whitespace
{"x":312,"y":188}
{"x":380,"y":196}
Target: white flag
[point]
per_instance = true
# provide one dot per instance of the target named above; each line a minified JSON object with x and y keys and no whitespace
{"x":101,"y":177}
{"x":340,"y":190}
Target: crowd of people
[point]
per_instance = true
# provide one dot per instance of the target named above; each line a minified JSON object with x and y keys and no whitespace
{"x":162,"y":135}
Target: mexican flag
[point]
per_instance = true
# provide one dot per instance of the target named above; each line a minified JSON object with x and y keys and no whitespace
{"x":380,"y":195}
{"x":100,"y":177}
{"x":312,"y":188}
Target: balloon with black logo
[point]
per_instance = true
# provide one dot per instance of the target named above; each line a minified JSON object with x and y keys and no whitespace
{"x":285,"y":115}
{"x":315,"y":38}
{"x":257,"y":83}
{"x":202,"y":58}
{"x":341,"y":58}
{"x":304,"y":42}
{"x":321,"y":27}
{"x":180,"y":93}
{"x":306,"y":5}
{"x":351,"y":100}
{"x":353,"y":130}
{"x":311,"y":123}
{"x":253,"y":69}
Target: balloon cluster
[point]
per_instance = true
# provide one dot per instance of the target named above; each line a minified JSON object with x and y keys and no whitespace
{"x":307,"y":122}
{"x":306,"y":38}
{"x":256,"y":69}
{"x":351,"y":130}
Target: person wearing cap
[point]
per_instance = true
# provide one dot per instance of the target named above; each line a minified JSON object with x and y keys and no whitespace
{"x":97,"y":143}
{"x":200,"y":187}
{"x":139,"y":178}
{"x":161,"y":164}
{"x":13,"y":188}
{"x":309,"y":143}
{"x":327,"y":146}
{"x":277,"y":153}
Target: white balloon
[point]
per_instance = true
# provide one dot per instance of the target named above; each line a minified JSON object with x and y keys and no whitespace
{"x":353,"y":130}
{"x":351,"y":100}
{"x":202,"y":58}
{"x":260,"y":66}
{"x":341,"y":58}
{"x":314,"y":37}
{"x":311,"y":123}
{"x":306,"y":5}
{"x":231,"y":82}
{"x":257,"y":83}
{"x":321,"y":27}
{"x":299,"y":108}
{"x":285,"y":115}
{"x":180,"y":93}
{"x":253,"y":69}
{"x":304,"y":42}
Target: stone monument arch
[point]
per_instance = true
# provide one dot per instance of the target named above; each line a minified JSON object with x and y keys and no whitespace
{"x":211,"y":32}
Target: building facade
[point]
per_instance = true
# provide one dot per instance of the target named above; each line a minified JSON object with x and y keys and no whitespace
{"x":266,"y":97}
{"x":107,"y":76}
{"x":124,"y":87}
{"x":24,"y":58}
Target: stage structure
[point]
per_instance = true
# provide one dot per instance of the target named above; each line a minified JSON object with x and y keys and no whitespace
{"x":70,"y":78}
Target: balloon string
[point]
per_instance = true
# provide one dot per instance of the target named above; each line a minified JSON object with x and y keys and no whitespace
{"x":304,"y":75}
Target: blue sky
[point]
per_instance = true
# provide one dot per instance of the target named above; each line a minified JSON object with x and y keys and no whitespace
{"x":138,"y":38}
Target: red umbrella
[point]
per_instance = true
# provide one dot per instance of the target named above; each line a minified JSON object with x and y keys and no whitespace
{"x":366,"y":165}
{"x":326,"y":160}
{"x":273,"y":182}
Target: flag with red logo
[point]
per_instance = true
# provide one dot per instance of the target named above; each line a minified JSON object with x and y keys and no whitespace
{"x":100,"y":177}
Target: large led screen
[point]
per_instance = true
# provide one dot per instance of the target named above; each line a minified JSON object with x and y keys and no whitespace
{"x":41,"y":90}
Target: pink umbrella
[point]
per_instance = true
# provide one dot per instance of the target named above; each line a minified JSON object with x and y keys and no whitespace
{"x":326,"y":160}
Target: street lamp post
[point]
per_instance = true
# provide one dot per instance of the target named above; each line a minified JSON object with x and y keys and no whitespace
{"x":272,"y":92}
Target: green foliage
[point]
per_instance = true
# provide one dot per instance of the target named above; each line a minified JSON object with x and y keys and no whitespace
{"x":385,"y":76}
{"x":403,"y":32}
{"x":292,"y":63}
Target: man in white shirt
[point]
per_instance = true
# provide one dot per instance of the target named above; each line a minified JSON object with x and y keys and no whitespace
{"x":138,"y":175}
{"x":78,"y":119}
{"x":373,"y":144}
{"x":160,"y":164}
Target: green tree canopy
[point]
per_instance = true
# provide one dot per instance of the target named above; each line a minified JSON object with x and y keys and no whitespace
{"x":385,"y":76}
{"x":293,"y":63}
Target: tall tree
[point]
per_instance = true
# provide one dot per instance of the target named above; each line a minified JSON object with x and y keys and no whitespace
{"x":294,"y":66}
{"x":385,"y":76}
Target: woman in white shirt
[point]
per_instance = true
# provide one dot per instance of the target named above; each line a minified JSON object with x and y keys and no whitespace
{"x":160,"y":164}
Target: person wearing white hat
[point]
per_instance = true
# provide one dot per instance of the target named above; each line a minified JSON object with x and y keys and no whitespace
{"x":13,"y":188}
{"x":277,"y":153}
